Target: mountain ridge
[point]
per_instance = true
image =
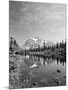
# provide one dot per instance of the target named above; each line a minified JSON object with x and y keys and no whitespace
{"x":35,"y":42}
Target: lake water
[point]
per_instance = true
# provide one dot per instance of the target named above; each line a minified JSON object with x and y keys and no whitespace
{"x":47,"y":71}
{"x":39,"y":71}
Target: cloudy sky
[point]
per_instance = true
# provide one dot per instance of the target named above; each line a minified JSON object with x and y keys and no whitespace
{"x":43,"y":20}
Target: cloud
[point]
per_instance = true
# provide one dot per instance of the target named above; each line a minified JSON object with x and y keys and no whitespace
{"x":41,"y":19}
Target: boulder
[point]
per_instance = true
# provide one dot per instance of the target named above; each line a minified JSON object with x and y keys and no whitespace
{"x":58,"y":71}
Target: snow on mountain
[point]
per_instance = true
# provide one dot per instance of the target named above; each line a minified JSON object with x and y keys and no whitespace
{"x":35,"y":42}
{"x":31,"y":43}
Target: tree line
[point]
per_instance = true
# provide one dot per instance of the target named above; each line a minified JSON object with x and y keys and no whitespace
{"x":53,"y":47}
{"x":61,"y":45}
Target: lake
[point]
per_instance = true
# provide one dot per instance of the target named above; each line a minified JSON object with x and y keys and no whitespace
{"x":40,"y":71}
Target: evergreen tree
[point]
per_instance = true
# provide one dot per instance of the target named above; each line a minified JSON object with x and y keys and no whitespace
{"x":44,"y":45}
{"x":11,"y":43}
{"x":57,"y":45}
{"x":39,"y":47}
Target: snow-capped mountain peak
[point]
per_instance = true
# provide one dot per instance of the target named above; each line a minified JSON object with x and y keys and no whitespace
{"x":35,"y":39}
{"x":35,"y":42}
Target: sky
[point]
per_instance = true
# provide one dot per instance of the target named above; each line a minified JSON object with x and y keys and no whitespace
{"x":32,"y":19}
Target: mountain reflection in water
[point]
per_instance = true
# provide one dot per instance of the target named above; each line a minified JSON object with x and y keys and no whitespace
{"x":37,"y":71}
{"x":50,"y":68}
{"x":47,"y":60}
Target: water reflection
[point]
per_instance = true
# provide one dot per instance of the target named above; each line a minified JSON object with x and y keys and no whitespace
{"x":46,"y":60}
{"x":46,"y":71}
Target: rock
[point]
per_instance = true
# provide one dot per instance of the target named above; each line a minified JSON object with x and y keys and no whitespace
{"x":57,"y":81}
{"x":58,"y":71}
{"x":35,"y":84}
{"x":64,"y":76}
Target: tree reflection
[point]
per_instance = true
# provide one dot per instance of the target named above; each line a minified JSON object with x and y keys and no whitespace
{"x":59,"y":60}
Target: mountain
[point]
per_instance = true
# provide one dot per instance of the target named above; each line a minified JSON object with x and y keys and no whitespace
{"x":32,"y":43}
{"x":35,"y":42}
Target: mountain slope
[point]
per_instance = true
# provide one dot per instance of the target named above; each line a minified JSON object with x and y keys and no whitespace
{"x":35,"y":42}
